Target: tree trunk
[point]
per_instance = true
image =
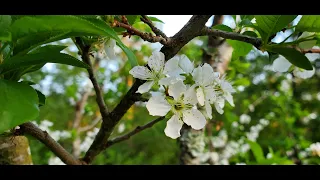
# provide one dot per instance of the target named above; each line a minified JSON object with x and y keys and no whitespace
{"x":15,"y":150}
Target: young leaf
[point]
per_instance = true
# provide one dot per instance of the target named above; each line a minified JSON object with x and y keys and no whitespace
{"x":257,"y":151}
{"x":239,"y":48}
{"x":248,"y":17}
{"x":155,"y":19}
{"x":292,"y":55}
{"x":132,"y":19}
{"x":19,"y":104}
{"x":41,"y":97}
{"x":250,"y":33}
{"x":222,"y":27}
{"x":271,"y":24}
{"x":310,"y":23}
{"x":5,"y":22}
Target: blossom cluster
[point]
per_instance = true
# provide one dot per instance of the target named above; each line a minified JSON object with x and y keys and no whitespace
{"x":189,"y":91}
{"x":315,"y":149}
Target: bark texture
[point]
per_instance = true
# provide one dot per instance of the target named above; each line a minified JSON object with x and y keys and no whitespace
{"x":15,"y":150}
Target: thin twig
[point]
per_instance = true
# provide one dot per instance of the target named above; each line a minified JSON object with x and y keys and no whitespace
{"x":45,"y":138}
{"x":145,"y":36}
{"x":92,"y":125}
{"x":135,"y":131}
{"x":231,"y":35}
{"x":157,"y":31}
{"x":86,"y":59}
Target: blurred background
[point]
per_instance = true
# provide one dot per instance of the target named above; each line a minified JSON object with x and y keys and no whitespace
{"x":277,"y":112}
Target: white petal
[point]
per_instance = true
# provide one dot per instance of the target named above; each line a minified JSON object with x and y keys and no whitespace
{"x":174,"y":125}
{"x":185,"y":64}
{"x":281,"y":64}
{"x":156,"y":61}
{"x":158,"y":106}
{"x":172,"y":68}
{"x":190,"y":95}
{"x":302,"y":73}
{"x":210,"y":93}
{"x":200,"y":96}
{"x":171,"y":80}
{"x":229,"y":98}
{"x":175,"y":90}
{"x":194,"y":118}
{"x":198,"y":75}
{"x":145,"y":87}
{"x":208,"y":74}
{"x":219,"y":104}
{"x":141,"y":72}
{"x":109,"y":48}
{"x":226,"y":86}
{"x":208,"y":109}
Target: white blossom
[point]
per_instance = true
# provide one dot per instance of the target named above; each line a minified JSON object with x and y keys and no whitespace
{"x":175,"y":68}
{"x":204,"y":78}
{"x":181,"y":104}
{"x":152,"y":75}
{"x":226,"y":89}
{"x":245,"y":119}
{"x":315,"y":149}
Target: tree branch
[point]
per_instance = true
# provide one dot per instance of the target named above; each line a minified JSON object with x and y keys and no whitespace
{"x":187,"y":33}
{"x":135,"y":131}
{"x":92,"y":125}
{"x":85,"y":57}
{"x":157,"y":31}
{"x":45,"y":138}
{"x":231,"y":35}
{"x":145,"y":36}
{"x":311,"y":51}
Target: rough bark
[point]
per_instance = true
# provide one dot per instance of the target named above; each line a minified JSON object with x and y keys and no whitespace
{"x":14,"y":150}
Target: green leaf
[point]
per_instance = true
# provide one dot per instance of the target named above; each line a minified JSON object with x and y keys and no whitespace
{"x":310,"y":23}
{"x":155,"y":19}
{"x":222,"y":27}
{"x":250,"y":33}
{"x":39,"y":57}
{"x":292,"y":55}
{"x":5,"y":22}
{"x":30,"y":32}
{"x":248,"y":17}
{"x":132,"y":18}
{"x":41,"y":97}
{"x":28,"y":82}
{"x":246,"y":22}
{"x":257,"y":151}
{"x":239,"y":48}
{"x":271,"y":24}
{"x":19,"y":104}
